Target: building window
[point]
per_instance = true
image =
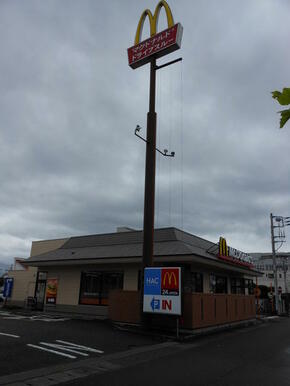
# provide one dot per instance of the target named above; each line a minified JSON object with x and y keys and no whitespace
{"x":95,"y":286}
{"x":249,"y":284}
{"x":196,"y":282}
{"x":193,"y":281}
{"x":218,"y":284}
{"x":238,"y":286}
{"x":41,"y":275}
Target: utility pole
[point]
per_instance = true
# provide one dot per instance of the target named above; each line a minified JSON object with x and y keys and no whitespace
{"x":277,"y":304}
{"x":285,"y":273}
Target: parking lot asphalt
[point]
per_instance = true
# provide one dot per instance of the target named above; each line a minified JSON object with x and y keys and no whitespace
{"x":32,"y":341}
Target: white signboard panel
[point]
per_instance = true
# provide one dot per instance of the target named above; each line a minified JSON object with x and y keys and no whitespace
{"x":162,"y":290}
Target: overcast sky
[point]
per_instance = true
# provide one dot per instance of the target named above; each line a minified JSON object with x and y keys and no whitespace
{"x":69,"y":104}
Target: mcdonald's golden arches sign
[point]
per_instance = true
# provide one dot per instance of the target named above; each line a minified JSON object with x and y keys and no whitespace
{"x":159,"y":43}
{"x":223,"y":248}
{"x":233,"y":255}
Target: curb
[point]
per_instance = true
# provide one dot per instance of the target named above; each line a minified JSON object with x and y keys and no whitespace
{"x":186,"y":335}
{"x":268,"y":319}
{"x":219,"y":329}
{"x":52,"y":315}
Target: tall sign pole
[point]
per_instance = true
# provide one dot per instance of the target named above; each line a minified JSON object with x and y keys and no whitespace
{"x":149,"y":196}
{"x":148,"y":51}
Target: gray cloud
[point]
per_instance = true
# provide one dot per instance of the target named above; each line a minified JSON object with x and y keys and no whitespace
{"x":69,"y":104}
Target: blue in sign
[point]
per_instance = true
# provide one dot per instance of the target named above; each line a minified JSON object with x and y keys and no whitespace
{"x":8,"y":285}
{"x":152,"y":281}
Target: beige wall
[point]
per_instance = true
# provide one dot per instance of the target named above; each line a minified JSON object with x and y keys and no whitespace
{"x":39,"y":247}
{"x":68,"y":284}
{"x":130,"y":279}
{"x":23,"y":285}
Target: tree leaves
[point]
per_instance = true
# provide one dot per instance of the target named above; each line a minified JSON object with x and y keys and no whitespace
{"x":285,"y":115}
{"x":284,"y":99}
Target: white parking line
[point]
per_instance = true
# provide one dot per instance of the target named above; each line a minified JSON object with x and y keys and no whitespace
{"x":52,"y":351}
{"x":15,"y":317}
{"x":40,"y":318}
{"x":10,"y":335}
{"x":61,"y":345}
{"x":32,"y":318}
{"x":4,"y":313}
{"x":81,"y":347}
{"x":64,"y":348}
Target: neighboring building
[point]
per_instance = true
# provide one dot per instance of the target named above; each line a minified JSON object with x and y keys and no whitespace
{"x":264,"y":262}
{"x":23,"y":283}
{"x":101,"y":275}
{"x":3,"y":269}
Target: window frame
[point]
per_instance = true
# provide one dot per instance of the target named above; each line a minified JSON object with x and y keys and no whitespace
{"x":102,"y":293}
{"x":213,"y":287}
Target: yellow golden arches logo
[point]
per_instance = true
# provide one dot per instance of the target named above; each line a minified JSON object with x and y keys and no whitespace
{"x":169,"y":276}
{"x":223,"y":248}
{"x":153,"y":20}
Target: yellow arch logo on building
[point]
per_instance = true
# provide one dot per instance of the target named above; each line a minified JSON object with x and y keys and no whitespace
{"x":169,"y":276}
{"x":153,"y":20}
{"x":223,"y":248}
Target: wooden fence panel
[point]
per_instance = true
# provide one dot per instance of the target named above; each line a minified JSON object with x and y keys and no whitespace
{"x":199,"y":309}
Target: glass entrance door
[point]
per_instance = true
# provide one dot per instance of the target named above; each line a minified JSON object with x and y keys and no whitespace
{"x":40,"y":290}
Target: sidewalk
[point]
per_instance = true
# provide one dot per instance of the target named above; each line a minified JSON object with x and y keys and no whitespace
{"x":52,"y":315}
{"x":185,"y":335}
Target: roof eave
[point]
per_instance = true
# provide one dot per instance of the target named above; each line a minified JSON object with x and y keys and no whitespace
{"x":210,"y":262}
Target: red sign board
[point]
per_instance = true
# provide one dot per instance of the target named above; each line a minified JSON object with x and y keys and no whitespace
{"x":236,"y":261}
{"x":158,"y":45}
{"x":169,"y":281}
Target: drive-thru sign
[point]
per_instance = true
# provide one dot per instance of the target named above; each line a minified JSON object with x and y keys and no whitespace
{"x":162,"y":290}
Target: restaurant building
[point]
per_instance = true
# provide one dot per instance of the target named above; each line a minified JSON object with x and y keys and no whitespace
{"x":101,"y":275}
